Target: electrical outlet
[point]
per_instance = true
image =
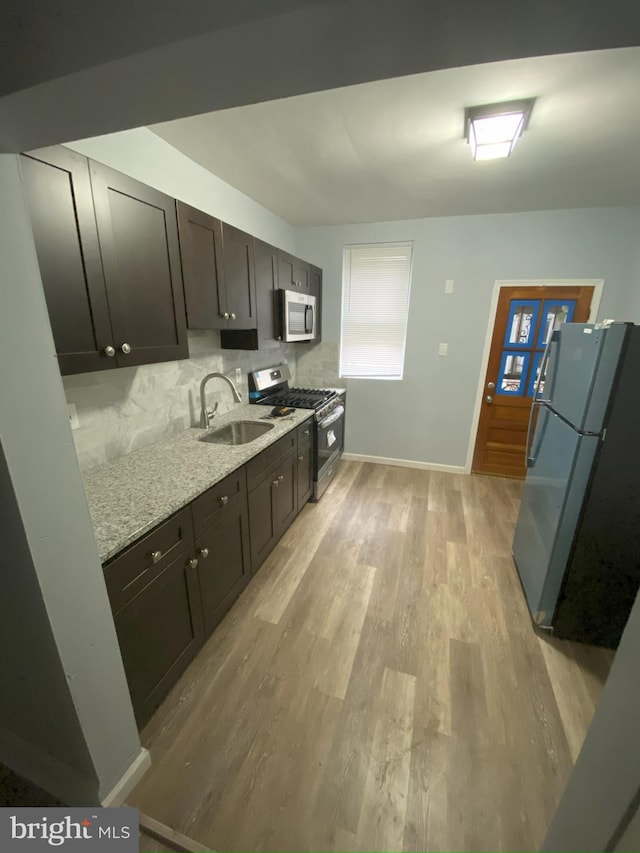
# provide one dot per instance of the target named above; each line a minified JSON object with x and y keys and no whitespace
{"x":73,"y":416}
{"x":443,"y":349}
{"x":448,"y":286}
{"x":238,"y":375}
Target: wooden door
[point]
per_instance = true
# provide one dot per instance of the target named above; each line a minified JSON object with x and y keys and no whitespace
{"x":202,"y":268}
{"x":138,"y":233}
{"x":240,"y":281}
{"x":224,"y":564}
{"x":159,"y":632}
{"x":524,"y":318}
{"x":285,"y":496}
{"x":58,"y":194}
{"x":305,"y":464}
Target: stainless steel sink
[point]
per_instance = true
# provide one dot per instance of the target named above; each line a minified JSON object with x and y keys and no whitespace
{"x":237,"y":432}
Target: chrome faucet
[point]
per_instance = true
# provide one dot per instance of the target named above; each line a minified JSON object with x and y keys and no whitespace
{"x":206,"y":413}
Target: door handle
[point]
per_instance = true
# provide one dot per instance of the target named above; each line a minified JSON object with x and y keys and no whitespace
{"x":488,"y":399}
{"x":491,"y":386}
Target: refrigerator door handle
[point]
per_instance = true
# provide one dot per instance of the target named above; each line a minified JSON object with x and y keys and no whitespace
{"x":529,"y":460}
{"x":553,"y":337}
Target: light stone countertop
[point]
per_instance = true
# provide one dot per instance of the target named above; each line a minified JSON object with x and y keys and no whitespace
{"x":130,"y":496}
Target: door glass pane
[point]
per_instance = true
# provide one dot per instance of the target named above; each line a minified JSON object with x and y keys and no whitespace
{"x":554,"y":312}
{"x":513,"y":371}
{"x":533,"y":376}
{"x":521,"y":323}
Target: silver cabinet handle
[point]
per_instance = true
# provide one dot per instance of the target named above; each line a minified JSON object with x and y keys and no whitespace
{"x":204,"y":553}
{"x":226,"y":315}
{"x":281,"y":477}
{"x":126,"y":349}
{"x":192,"y":564}
{"x":110,"y":351}
{"x":488,"y":399}
{"x":224,"y":499}
{"x":156,"y":556}
{"x":491,"y":386}
{"x":275,"y":482}
{"x":300,"y":458}
{"x":306,"y":432}
{"x":233,"y":316}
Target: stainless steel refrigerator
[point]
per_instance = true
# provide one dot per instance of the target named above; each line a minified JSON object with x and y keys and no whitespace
{"x":577,"y":539}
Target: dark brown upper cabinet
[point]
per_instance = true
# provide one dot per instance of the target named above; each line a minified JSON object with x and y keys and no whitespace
{"x":109,"y":260}
{"x":293,"y":273}
{"x":315,"y":288}
{"x":219,"y":273}
{"x":138,"y":234}
{"x":58,"y":193}
{"x":266,"y":278}
{"x":240,"y":278}
{"x":202,"y":268}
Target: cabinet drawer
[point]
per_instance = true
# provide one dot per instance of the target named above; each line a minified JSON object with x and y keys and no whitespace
{"x":212,"y":505}
{"x":136,"y":567}
{"x":257,"y":468}
{"x":305,"y":433}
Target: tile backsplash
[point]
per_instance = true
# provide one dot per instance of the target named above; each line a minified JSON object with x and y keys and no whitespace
{"x":317,"y":365}
{"x":131,"y":407}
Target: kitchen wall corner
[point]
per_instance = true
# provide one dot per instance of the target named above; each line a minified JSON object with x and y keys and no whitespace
{"x":317,"y":365}
{"x":122,"y":410}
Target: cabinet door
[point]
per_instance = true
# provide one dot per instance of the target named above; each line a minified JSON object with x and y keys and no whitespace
{"x":266,"y":287}
{"x":285,"y":494}
{"x":160,"y":631}
{"x":224,"y":563}
{"x":263,"y":533}
{"x":239,"y":273}
{"x":293,"y":273}
{"x":315,"y":288}
{"x":305,"y":464}
{"x":58,"y":194}
{"x":138,"y":234}
{"x":202,"y":268}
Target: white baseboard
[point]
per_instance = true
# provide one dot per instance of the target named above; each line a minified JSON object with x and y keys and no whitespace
{"x":405,"y":463}
{"x":128,"y":781}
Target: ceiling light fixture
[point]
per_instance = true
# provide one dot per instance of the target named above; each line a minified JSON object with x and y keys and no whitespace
{"x":492,"y":129}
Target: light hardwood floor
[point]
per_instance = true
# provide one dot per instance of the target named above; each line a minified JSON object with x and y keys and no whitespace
{"x":378,"y":686}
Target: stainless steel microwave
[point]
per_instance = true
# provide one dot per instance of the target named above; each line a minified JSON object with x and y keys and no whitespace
{"x":297,"y":316}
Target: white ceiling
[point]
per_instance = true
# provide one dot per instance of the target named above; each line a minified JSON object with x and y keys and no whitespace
{"x":393,"y":149}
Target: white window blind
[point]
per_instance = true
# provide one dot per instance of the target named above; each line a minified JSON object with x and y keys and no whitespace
{"x":375,"y":304}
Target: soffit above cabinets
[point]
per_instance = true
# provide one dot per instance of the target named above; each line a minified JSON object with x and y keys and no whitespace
{"x":394,"y":149}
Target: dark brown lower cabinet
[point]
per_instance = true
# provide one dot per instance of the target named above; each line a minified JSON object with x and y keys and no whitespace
{"x":305,"y":463}
{"x":224,"y":563}
{"x":273,"y":504}
{"x":160,"y":631}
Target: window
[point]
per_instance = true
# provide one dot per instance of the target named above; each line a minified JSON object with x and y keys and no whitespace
{"x":375,"y":304}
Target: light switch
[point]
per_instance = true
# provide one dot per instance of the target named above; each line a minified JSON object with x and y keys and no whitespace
{"x":443,"y":349}
{"x":448,"y":286}
{"x":73,"y":416}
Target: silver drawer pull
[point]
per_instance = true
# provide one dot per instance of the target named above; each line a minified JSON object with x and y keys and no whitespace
{"x":300,"y":458}
{"x":110,"y":351}
{"x":156,"y":556}
{"x":224,"y":499}
{"x":125,"y":348}
{"x":192,"y":564}
{"x":204,"y":553}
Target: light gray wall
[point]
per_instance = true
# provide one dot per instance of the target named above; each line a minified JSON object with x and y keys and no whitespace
{"x":323,"y":45}
{"x":606,"y":777}
{"x":62,"y":558}
{"x":142,"y":155}
{"x":633,"y":312}
{"x":427,"y":417}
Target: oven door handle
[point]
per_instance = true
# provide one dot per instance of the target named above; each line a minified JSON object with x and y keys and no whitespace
{"x":335,"y":415}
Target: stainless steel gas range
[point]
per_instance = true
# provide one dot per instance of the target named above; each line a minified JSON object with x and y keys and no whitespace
{"x":270,"y":387}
